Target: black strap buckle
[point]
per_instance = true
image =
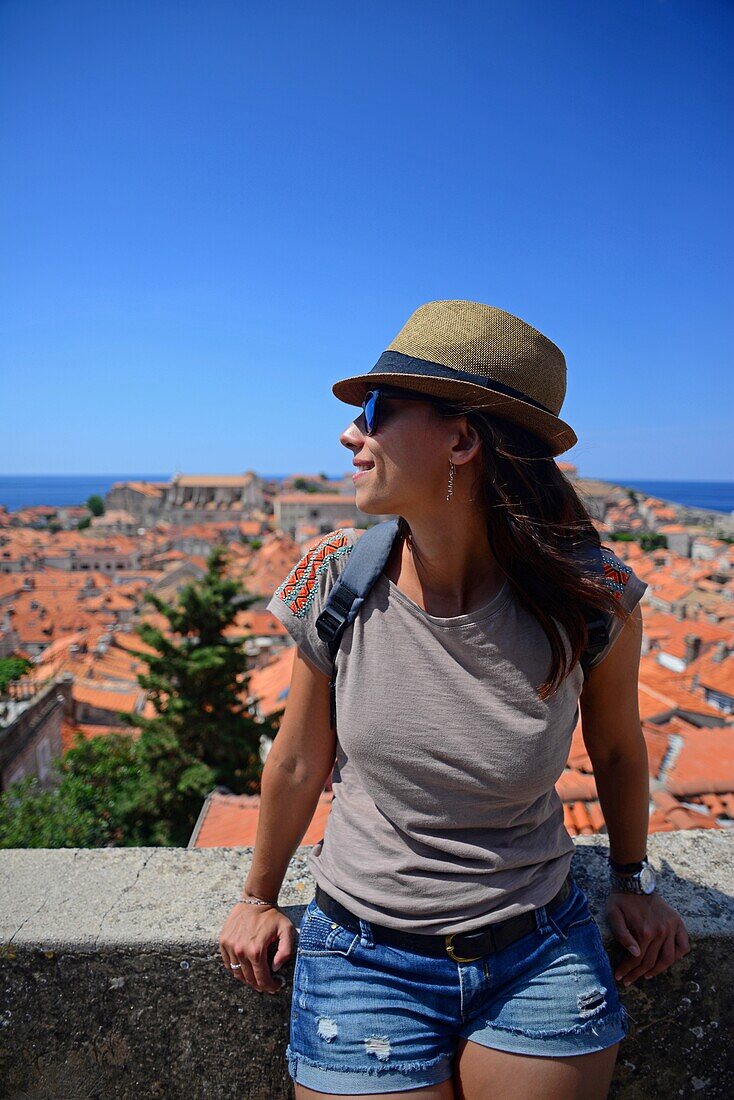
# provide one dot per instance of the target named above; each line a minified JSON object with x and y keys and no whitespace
{"x":336,"y":612}
{"x":328,"y":624}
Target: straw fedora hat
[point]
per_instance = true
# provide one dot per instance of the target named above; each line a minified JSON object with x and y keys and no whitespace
{"x":467,"y":351}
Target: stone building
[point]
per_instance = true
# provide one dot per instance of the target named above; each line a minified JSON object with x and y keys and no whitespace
{"x":198,"y":498}
{"x":30,"y":728}
{"x":322,"y":511}
{"x":141,"y":499}
{"x":189,"y":498}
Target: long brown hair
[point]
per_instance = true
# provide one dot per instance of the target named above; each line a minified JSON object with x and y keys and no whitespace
{"x":535,"y":522}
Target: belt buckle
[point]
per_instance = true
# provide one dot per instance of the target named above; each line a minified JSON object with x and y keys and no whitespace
{"x":451,"y":952}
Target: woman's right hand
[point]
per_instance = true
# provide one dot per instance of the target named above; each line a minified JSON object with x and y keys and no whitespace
{"x":249,"y":936}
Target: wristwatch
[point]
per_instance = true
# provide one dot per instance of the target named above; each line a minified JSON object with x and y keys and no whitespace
{"x":632,"y":878}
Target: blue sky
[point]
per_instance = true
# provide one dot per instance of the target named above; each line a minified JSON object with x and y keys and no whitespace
{"x":211,"y":211}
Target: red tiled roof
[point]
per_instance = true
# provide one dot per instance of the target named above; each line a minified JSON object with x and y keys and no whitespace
{"x":716,"y":675}
{"x":705,"y":763}
{"x":104,"y":699}
{"x":584,"y":817}
{"x":573,"y":785}
{"x":662,"y":690}
{"x":656,"y":741}
{"x":269,"y":684}
{"x":671,"y":592}
{"x":131,"y":641}
{"x":258,"y":623}
{"x":670,"y":815}
{"x":230,"y":821}
{"x":670,"y":634}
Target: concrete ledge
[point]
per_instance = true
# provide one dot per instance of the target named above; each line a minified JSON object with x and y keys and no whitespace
{"x":113,"y":984}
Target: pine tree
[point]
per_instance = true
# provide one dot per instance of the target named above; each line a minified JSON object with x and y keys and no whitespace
{"x":202,"y":735}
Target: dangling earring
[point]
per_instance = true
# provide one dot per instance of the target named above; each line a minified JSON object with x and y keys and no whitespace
{"x":451,"y":480}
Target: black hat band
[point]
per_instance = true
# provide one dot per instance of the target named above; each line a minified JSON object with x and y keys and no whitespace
{"x":394,"y":362}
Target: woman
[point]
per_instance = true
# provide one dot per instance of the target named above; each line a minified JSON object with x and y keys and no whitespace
{"x":448,"y":951}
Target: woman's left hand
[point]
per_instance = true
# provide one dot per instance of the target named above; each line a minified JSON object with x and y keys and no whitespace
{"x":654,"y":927}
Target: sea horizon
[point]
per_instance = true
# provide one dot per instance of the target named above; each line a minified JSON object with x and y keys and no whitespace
{"x":19,"y":491}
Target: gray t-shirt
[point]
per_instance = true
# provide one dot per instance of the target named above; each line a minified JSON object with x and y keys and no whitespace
{"x":445,"y":815}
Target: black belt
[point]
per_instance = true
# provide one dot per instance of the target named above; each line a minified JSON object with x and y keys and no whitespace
{"x":459,"y":946}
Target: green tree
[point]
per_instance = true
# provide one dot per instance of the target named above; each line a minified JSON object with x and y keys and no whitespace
{"x":202,"y":735}
{"x":95,"y":504}
{"x":98,"y":787}
{"x":651,"y":540}
{"x":12,"y":668}
{"x":305,"y":486}
{"x":83,"y":522}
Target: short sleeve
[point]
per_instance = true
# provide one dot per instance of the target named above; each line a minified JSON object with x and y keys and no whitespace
{"x":626,"y":587}
{"x":298,"y":601}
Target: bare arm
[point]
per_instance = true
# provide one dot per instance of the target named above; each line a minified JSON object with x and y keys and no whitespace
{"x":650,"y":930}
{"x":613,"y":737}
{"x":294,"y":775}
{"x":295,"y":772}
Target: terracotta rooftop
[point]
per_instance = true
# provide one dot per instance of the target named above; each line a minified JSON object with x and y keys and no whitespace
{"x":704,"y":764}
{"x":145,"y":488}
{"x":206,"y":481}
{"x":229,"y":821}
{"x":108,"y":699}
{"x":269,"y":685}
{"x":715,"y":675}
{"x":670,"y":591}
{"x":670,"y":813}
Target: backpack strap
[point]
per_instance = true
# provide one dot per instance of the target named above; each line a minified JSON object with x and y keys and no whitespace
{"x":367,"y":559}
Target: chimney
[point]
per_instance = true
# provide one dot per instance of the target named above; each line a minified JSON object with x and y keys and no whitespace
{"x":693,"y":647}
{"x":720,"y":651}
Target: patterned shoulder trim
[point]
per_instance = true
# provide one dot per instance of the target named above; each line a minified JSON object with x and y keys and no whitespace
{"x":302,"y":583}
{"x":616,"y":572}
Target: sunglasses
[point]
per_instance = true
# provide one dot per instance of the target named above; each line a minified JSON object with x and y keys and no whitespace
{"x":373,"y":401}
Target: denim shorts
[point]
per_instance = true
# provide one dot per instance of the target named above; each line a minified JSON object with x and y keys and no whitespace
{"x":373,"y":1017}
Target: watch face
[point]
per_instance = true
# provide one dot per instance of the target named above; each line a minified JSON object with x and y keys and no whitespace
{"x":647,"y":879}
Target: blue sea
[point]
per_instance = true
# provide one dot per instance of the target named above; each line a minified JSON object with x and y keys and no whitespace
{"x":28,"y":490}
{"x":21,"y":491}
{"x":714,"y":496}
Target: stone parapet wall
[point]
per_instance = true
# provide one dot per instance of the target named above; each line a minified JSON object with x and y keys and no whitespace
{"x":113,"y":986}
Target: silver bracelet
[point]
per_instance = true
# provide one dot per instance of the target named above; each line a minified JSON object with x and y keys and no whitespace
{"x":255,"y":901}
